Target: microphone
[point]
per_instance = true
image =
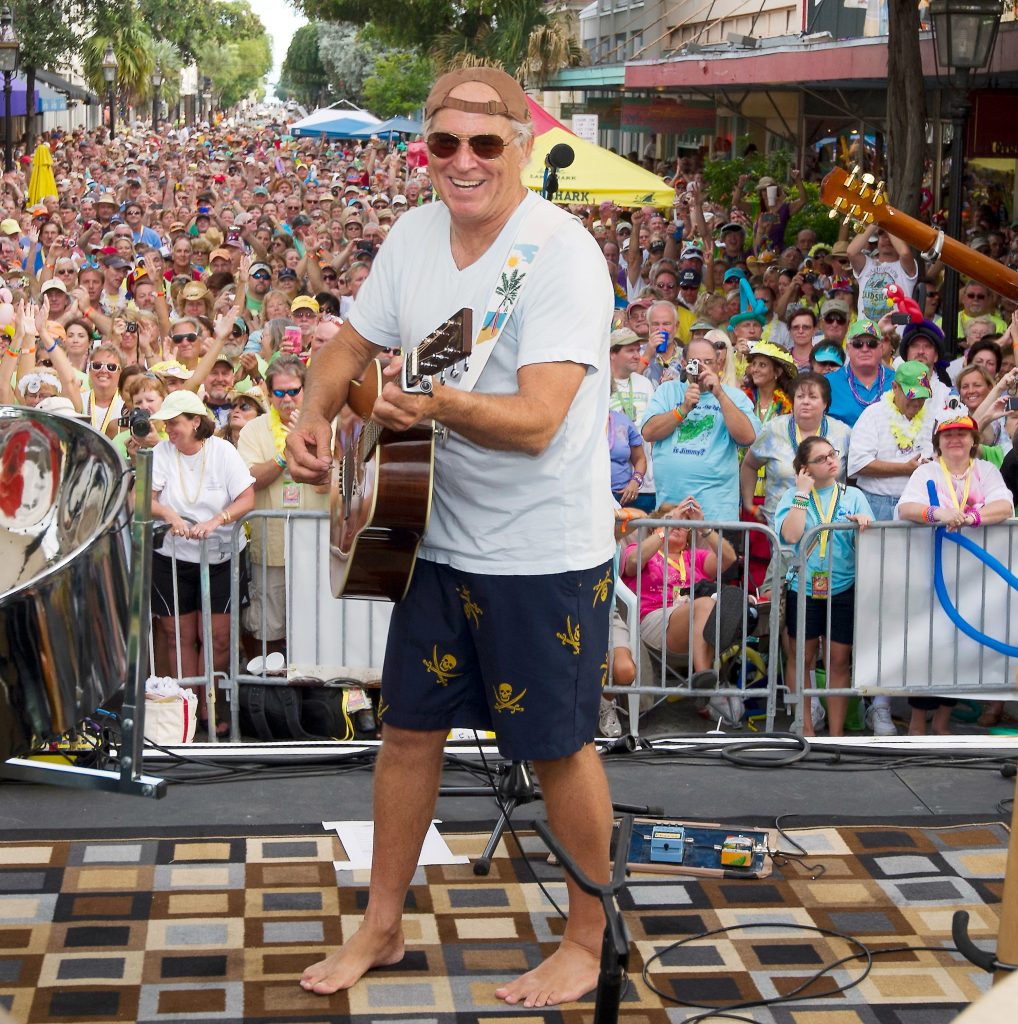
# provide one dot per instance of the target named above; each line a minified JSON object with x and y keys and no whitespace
{"x":559,"y":156}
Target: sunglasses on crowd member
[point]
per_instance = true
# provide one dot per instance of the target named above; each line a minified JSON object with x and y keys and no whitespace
{"x":179,"y":339}
{"x":719,"y":346}
{"x":288,"y":392}
{"x":237,"y":332}
{"x":975,"y":295}
{"x":112,"y":367}
{"x":445,"y":144}
{"x":262,"y":276}
{"x":865,"y":343}
{"x":835,"y":318}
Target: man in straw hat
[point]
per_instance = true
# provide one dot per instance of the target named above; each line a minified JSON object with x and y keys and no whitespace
{"x":526,"y":465}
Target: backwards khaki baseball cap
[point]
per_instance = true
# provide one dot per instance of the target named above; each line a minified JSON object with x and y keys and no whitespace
{"x":512,"y":101}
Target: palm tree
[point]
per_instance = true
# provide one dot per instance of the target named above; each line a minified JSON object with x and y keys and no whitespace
{"x":133,"y":48}
{"x":552,"y":47}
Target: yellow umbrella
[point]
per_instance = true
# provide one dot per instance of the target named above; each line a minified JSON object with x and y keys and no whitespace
{"x":596,"y":175}
{"x":42,"y":183}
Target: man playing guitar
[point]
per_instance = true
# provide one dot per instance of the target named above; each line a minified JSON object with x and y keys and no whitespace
{"x":506,"y":622}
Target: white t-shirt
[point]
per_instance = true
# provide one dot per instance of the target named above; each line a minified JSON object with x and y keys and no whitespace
{"x":505,"y":512}
{"x":873,"y":281}
{"x":986,"y":486}
{"x":872,"y":438}
{"x":217,"y":475}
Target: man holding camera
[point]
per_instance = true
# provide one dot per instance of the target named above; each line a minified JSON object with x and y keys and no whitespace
{"x":697,"y":426}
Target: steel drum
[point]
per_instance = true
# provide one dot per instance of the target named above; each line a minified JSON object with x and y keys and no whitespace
{"x":63,"y":575}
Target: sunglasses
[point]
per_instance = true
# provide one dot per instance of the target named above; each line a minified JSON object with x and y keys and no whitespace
{"x":975,"y":295}
{"x":288,"y":392}
{"x":262,"y":276}
{"x":179,"y":339}
{"x":112,"y":367}
{"x":445,"y":144}
{"x":864,"y":343}
{"x":835,"y":318}
{"x":238,"y":332}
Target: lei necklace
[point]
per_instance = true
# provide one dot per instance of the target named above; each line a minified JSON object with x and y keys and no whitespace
{"x":277,"y":430}
{"x":904,"y":439}
{"x":780,"y":404}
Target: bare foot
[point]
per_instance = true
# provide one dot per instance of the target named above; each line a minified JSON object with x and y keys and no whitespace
{"x":345,"y":967}
{"x":567,"y":975}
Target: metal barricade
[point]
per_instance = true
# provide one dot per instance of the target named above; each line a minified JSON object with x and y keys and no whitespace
{"x":903,"y":641}
{"x":734,"y":665}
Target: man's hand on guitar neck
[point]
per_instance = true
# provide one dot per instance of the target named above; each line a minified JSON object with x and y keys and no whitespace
{"x":397,"y":409}
{"x":309,"y":449}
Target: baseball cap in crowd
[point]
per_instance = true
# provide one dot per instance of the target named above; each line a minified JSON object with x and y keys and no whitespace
{"x":180,"y":403}
{"x":511,"y":102}
{"x":862,"y":326}
{"x":259,"y":190}
{"x":623,"y":226}
{"x":399,"y":201}
{"x":287,"y":274}
{"x":700,"y":325}
{"x":691,"y":252}
{"x":690,"y":278}
{"x":260,"y":268}
{"x":10,"y":226}
{"x":765,"y":183}
{"x":957,"y":423}
{"x":638,"y":304}
{"x":828,"y":352}
{"x":54,"y":284}
{"x":116,"y":262}
{"x":220,"y":254}
{"x":624,"y":336}
{"x":39,"y":210}
{"x":304,"y":302}
{"x":836,"y":306}
{"x":732,"y":226}
{"x":657,"y":245}
{"x":913,"y":378}
{"x":193,"y":291}
{"x":734,"y":273}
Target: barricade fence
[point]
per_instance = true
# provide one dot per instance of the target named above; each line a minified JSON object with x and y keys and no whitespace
{"x":903,"y":642}
{"x":724,"y":657}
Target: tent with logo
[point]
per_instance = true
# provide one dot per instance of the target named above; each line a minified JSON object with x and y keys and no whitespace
{"x":595,"y":175}
{"x":338,"y":121}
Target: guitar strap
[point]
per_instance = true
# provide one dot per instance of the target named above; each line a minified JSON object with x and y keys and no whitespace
{"x":535,"y":229}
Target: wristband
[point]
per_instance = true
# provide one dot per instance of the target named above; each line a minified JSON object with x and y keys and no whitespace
{"x":930,"y":514}
{"x":803,"y":495}
{"x":50,"y":349}
{"x":976,"y":516}
{"x":14,"y":352}
{"x":225,"y":516}
{"x":638,"y":477}
{"x":280,"y":461}
{"x":89,"y":311}
{"x":678,"y":414}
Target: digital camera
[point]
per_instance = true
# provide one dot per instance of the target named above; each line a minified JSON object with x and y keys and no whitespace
{"x":691,"y":371}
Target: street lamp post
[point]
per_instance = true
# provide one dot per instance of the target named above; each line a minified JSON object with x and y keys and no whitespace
{"x":110,"y":74}
{"x":157,"y":81}
{"x":207,"y":98}
{"x":964,"y":32}
{"x":8,"y":64}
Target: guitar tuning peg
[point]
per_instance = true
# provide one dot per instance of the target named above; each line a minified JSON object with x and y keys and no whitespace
{"x":867,"y":218}
{"x":832,"y":214}
{"x":850,"y":180}
{"x":859,"y":226}
{"x":839,"y":203}
{"x":868,"y":178}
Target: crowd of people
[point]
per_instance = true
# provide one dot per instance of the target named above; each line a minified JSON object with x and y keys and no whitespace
{"x":185,"y":282}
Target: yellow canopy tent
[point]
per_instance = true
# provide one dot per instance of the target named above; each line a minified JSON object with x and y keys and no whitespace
{"x":595,"y":174}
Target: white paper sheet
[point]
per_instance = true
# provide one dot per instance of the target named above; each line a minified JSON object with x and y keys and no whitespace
{"x":358,"y":837}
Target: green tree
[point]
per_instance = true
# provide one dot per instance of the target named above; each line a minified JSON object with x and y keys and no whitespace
{"x":399,"y":84}
{"x":303,"y":76}
{"x":348,"y":56}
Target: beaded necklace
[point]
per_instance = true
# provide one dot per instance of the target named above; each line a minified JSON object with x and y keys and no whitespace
{"x":191,"y":499}
{"x":866,"y":403}
{"x":795,"y":438}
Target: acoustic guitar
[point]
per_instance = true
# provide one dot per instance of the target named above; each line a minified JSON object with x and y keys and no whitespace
{"x":381,"y":495}
{"x":860,"y":199}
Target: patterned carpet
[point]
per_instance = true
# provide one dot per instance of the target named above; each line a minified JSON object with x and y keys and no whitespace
{"x":157,"y":930}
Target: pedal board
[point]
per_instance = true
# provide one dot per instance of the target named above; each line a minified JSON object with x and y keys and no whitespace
{"x":668,"y":846}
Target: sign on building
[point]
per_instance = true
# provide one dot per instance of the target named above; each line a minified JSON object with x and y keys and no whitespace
{"x":585,"y":126}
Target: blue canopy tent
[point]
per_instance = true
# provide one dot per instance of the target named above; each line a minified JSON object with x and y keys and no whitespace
{"x":394,"y":126}
{"x":46,"y":99}
{"x":336,"y":122}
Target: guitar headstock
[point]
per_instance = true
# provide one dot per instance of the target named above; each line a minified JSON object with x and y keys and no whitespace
{"x":859,"y":198}
{"x":448,"y":344}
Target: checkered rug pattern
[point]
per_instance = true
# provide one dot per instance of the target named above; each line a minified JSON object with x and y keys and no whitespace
{"x":218,"y":930}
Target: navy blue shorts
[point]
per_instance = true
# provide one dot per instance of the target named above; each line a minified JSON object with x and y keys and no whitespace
{"x":842,"y":616}
{"x":523,"y":656}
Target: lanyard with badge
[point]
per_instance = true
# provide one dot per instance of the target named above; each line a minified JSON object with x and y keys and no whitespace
{"x":821,"y":579}
{"x":959,"y":504}
{"x":680,"y":568}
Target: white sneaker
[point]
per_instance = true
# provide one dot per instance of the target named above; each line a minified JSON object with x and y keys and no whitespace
{"x":817,"y":713}
{"x":878,"y":718}
{"x":608,"y":720}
